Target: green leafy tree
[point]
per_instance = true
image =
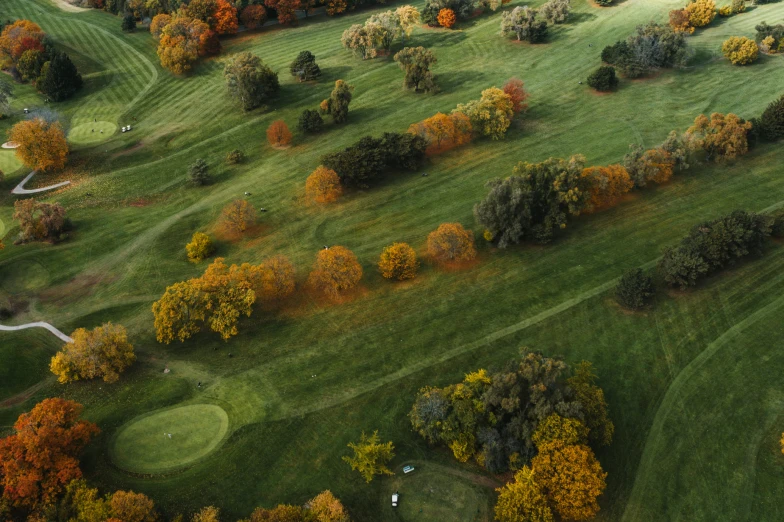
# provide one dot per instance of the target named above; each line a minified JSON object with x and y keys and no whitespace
{"x":304,"y":67}
{"x":771,"y":122}
{"x":128,"y":23}
{"x":199,"y":173}
{"x":250,"y":81}
{"x":416,"y":62}
{"x":596,"y":412}
{"x":522,"y":23}
{"x":59,"y":79}
{"x":371,"y":456}
{"x":634,"y":289}
{"x":337,"y":103}
{"x":603,"y":79}
{"x":310,"y":121}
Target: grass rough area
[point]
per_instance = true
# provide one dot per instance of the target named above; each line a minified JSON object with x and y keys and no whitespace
{"x":170,"y":439}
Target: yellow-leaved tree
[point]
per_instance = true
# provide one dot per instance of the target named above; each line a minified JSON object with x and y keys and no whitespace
{"x":335,"y":272}
{"x":571,"y":478}
{"x":398,"y":261}
{"x":565,"y":429}
{"x":371,"y":456}
{"x":238,"y":215}
{"x":740,"y":50}
{"x":326,"y":507}
{"x":103,"y":352}
{"x":701,"y":12}
{"x":450,"y":242}
{"x":608,"y":185}
{"x":41,"y":145}
{"x":199,"y":248}
{"x":522,"y":500}
{"x":276,"y":279}
{"x":323,"y":185}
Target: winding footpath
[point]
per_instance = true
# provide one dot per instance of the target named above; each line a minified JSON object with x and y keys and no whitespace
{"x":20,"y":190}
{"x":39,"y":324}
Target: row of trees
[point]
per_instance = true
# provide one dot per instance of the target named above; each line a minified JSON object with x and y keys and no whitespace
{"x":446,"y":13}
{"x":29,"y":55}
{"x":652,"y":46}
{"x":40,"y":478}
{"x":520,"y":416}
{"x":530,"y":25}
{"x":539,"y":198}
{"x":698,"y":13}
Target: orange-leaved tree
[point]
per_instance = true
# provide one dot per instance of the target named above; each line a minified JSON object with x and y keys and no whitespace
{"x":278,"y":134}
{"x":225,"y":18}
{"x":571,"y":478}
{"x":680,"y":21}
{"x":398,"y":261}
{"x":443,"y":132}
{"x":103,"y":352}
{"x":39,"y":221}
{"x":336,"y":271}
{"x":450,"y":242}
{"x":128,"y":506}
{"x":157,"y":24}
{"x":323,"y":185}
{"x":608,"y":185}
{"x":721,"y":137}
{"x":239,"y":215}
{"x":326,"y":507}
{"x":276,"y":280}
{"x":18,"y":37}
{"x":514,"y":87}
{"x":286,"y":9}
{"x":181,"y":42}
{"x":41,"y":145}
{"x":253,"y":16}
{"x":41,"y":456}
{"x":446,"y":18}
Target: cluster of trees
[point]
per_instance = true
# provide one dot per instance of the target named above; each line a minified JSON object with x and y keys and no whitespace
{"x":103,"y":352}
{"x":733,"y":8}
{"x":371,"y":158}
{"x":698,"y":13}
{"x":219,"y":297}
{"x":40,"y":221}
{"x":526,"y":23}
{"x":652,"y":46}
{"x":336,"y":106}
{"x":770,"y":37}
{"x":250,"y":81}
{"x":713,"y":245}
{"x":28,"y":54}
{"x":182,"y":39}
{"x":446,"y":13}
{"x":380,"y":31}
{"x":41,"y":144}
{"x":525,"y":415}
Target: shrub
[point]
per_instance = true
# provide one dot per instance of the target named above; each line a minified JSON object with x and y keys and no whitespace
{"x":310,"y":121}
{"x":323,"y":186}
{"x":777,"y":226}
{"x":450,"y":242}
{"x":701,"y":12}
{"x":278,"y":134}
{"x":634,"y":289}
{"x":446,"y":18}
{"x":443,"y":132}
{"x":652,"y":46}
{"x":335,"y":272}
{"x":713,"y":245}
{"x":603,"y":78}
{"x":398,"y":261}
{"x":608,"y":185}
{"x":128,"y":23}
{"x":644,"y":166}
{"x":200,"y":247}
{"x":776,"y":32}
{"x":235,"y":157}
{"x":771,"y":123}
{"x":740,"y":50}
{"x":604,"y":3}
{"x":721,"y":137}
{"x":199,"y":173}
{"x":304,"y":67}
{"x":680,"y":21}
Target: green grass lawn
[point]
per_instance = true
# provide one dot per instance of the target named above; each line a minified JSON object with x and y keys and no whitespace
{"x":693,"y":384}
{"x":8,"y":161}
{"x":91,"y":133}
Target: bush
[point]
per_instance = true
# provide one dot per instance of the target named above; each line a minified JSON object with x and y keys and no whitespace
{"x":701,"y":12}
{"x":450,"y":242}
{"x":634,"y":289}
{"x":200,"y":247}
{"x":603,"y":3}
{"x":740,"y":50}
{"x":603,"y":79}
{"x":235,"y":157}
{"x":713,"y":245}
{"x":310,"y":121}
{"x":398,"y":261}
{"x":370,"y":158}
{"x":652,"y":46}
{"x":776,"y":32}
{"x":556,"y":11}
{"x":199,"y":173}
{"x":128,"y":23}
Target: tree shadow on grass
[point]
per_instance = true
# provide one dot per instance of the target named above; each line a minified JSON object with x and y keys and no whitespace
{"x":440,"y":38}
{"x":331,"y":74}
{"x":451,"y":81}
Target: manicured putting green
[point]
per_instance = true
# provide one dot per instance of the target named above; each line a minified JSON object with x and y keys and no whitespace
{"x":144,"y":446}
{"x":89,"y":133}
{"x":432,"y":494}
{"x":8,"y":161}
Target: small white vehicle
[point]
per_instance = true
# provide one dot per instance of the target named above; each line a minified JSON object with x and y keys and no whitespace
{"x":408,"y":469}
{"x":394,"y":500}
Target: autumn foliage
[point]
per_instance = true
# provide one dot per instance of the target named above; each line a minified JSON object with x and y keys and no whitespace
{"x":286,"y":9}
{"x":39,"y":221}
{"x":182,"y":40}
{"x":371,"y":456}
{"x":721,"y":137}
{"x":323,"y":185}
{"x":238,"y":215}
{"x":701,"y":12}
{"x":336,"y":271}
{"x":278,"y":134}
{"x":225,"y":18}
{"x":103,"y":352}
{"x":398,"y":261}
{"x":443,"y":132}
{"x":276,"y":279}
{"x":608,"y":185}
{"x":450,"y":242}
{"x":740,"y":50}
{"x":42,"y":145}
{"x":446,"y":18}
{"x":18,"y":37}
{"x":517,"y":94}
{"x":41,"y":456}
{"x":522,"y":500}
{"x":199,"y":248}
{"x":253,"y":16}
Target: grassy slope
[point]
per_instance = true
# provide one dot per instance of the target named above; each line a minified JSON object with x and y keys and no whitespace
{"x":371,"y":355}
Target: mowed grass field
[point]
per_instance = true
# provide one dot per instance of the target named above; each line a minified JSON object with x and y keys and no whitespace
{"x":694,"y":384}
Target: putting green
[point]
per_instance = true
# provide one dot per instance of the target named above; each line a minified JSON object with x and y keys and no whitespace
{"x":8,"y":161}
{"x":90,"y":133}
{"x":144,"y":445}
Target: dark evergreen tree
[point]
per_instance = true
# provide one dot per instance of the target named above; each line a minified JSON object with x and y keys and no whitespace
{"x":310,"y":121}
{"x":634,"y":290}
{"x":603,"y":79}
{"x":59,"y":78}
{"x":771,"y":123}
{"x":304,"y":67}
{"x":128,"y":23}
